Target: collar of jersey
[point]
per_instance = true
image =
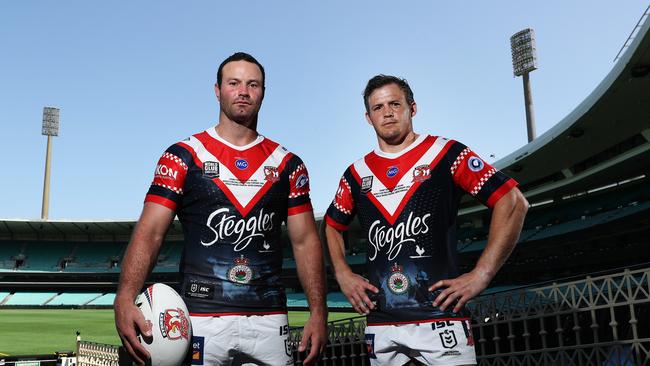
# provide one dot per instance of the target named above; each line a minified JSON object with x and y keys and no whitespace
{"x":213,"y":133}
{"x":396,"y":155}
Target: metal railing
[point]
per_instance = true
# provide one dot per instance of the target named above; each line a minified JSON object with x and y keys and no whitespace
{"x":600,"y":320}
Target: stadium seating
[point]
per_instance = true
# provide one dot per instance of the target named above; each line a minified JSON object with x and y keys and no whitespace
{"x":104,"y":300}
{"x":334,"y":300}
{"x":77,"y":299}
{"x":45,"y":256}
{"x":8,"y":251}
{"x":95,"y":257}
{"x":30,"y":298}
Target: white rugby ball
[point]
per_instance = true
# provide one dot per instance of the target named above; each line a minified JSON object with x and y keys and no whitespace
{"x":170,"y":323}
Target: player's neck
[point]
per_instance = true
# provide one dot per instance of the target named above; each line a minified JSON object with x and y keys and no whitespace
{"x":394,"y":147}
{"x":235,"y":133}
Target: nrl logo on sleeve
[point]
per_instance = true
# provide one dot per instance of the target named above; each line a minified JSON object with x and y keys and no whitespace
{"x":210,"y":169}
{"x":366,"y":184}
{"x":271,"y":174}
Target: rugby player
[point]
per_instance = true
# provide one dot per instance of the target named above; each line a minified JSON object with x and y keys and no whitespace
{"x":406,"y":194}
{"x":232,"y":189}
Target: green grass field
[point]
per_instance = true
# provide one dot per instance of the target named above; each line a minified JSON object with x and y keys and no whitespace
{"x":41,"y":331}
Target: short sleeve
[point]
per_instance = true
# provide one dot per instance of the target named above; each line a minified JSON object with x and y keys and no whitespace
{"x":342,"y":209}
{"x":299,"y":200}
{"x":169,"y":177}
{"x":478,"y":178}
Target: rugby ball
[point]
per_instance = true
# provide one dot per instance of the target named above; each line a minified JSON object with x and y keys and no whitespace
{"x":170,"y":324}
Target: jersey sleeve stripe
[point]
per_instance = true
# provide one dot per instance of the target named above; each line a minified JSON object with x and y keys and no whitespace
{"x":161,"y":201}
{"x":299,"y":209}
{"x":501,"y":191}
{"x":331,"y":222}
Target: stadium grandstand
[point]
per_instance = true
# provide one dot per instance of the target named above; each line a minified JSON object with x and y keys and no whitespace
{"x":575,"y":291}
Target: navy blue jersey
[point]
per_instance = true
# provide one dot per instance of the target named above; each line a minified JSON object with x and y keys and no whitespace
{"x":231,"y":202}
{"x":407,"y":205}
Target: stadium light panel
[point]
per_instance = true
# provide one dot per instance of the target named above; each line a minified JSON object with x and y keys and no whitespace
{"x":524,"y":52}
{"x":50,"y":121}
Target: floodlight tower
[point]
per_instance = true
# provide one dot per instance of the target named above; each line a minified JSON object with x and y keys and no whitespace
{"x":524,"y":60}
{"x":50,"y":128}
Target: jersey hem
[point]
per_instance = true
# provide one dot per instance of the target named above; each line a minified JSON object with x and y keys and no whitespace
{"x":240,"y":313}
{"x":417,"y":321}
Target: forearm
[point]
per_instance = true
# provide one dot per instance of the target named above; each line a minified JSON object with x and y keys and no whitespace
{"x":336,"y":248}
{"x":309,"y":263}
{"x":142,"y":251}
{"x":137,"y":264}
{"x":507,"y":221}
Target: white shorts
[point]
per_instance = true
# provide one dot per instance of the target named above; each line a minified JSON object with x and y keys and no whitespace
{"x":444,"y":342}
{"x":241,"y":340}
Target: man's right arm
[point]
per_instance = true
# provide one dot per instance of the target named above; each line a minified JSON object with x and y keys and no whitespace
{"x":352,"y":285}
{"x":139,"y":260}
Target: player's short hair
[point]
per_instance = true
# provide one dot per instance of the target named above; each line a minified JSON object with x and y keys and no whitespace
{"x":240,"y":56}
{"x":381,"y":80}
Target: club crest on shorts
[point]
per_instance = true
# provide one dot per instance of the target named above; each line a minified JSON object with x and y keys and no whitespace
{"x":398,"y":283}
{"x":366,"y":184}
{"x":174,"y":324}
{"x":448,"y":338}
{"x":240,"y":272}
{"x":210,"y":169}
{"x":475,"y":164}
{"x":421,"y":173}
{"x":271,"y":174}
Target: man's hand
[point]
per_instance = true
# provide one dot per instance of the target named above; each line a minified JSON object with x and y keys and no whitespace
{"x":354,"y":287}
{"x":315,"y":334}
{"x":130,"y":322}
{"x":461,"y":289}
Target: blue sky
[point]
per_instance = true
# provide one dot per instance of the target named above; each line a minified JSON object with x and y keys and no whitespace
{"x":131,"y":78}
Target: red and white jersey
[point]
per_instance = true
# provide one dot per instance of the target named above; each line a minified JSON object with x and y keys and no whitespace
{"x":407,"y":205}
{"x":231,"y":201}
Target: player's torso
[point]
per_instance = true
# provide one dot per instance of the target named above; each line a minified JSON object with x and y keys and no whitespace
{"x":407,"y":207}
{"x":234,"y":203}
